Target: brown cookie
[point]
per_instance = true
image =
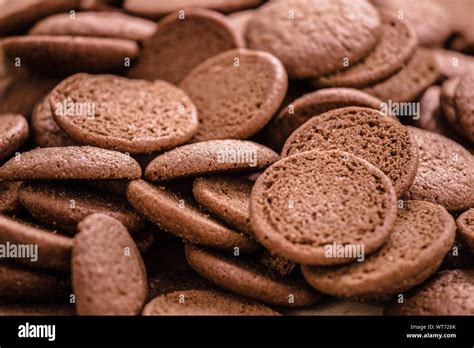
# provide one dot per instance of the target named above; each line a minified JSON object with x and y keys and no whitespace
{"x":448,"y":91}
{"x":313,"y":38}
{"x":71,"y":162}
{"x":445,"y":174}
{"x":458,"y":257}
{"x":464,"y":105}
{"x":209,"y":157}
{"x":45,"y":249}
{"x":204,"y":302}
{"x":246,"y":277}
{"x":236,"y":93}
{"x":64,"y":206}
{"x":368,"y":134}
{"x":274,"y":262}
{"x":465,"y":224}
{"x":397,"y":43}
{"x":13,"y":133}
{"x":447,"y":293}
{"x":422,"y":236}
{"x":452,"y":63}
{"x":312,"y":104}
{"x":9,"y":203}
{"x":108,"y":274}
{"x":201,"y":34}
{"x":35,"y":309}
{"x":97,"y":109}
{"x":184,"y":219}
{"x":164,"y":283}
{"x":305,"y":205}
{"x":418,"y":73}
{"x":95,"y":24}
{"x":240,"y":20}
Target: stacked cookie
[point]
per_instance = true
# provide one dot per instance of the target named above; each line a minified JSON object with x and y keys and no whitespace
{"x":245,"y":164}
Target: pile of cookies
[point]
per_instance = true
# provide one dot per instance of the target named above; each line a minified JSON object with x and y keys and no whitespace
{"x":237,"y":158}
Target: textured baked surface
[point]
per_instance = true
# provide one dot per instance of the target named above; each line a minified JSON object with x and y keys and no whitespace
{"x":9,"y":203}
{"x":464,"y":105}
{"x":236,"y":93}
{"x":465,"y":223}
{"x":13,"y":133}
{"x":166,"y":282}
{"x":277,"y":263}
{"x":422,"y":236}
{"x":452,"y":63}
{"x":35,"y":309}
{"x":448,"y":92}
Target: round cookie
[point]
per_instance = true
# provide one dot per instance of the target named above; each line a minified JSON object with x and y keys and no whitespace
{"x":464,"y":105}
{"x":96,"y":24}
{"x":108,"y":274}
{"x":71,"y":162}
{"x":240,"y":20}
{"x":53,"y":251}
{"x":64,"y":206}
{"x":447,"y":293}
{"x":397,"y":43}
{"x":184,"y":219}
{"x":448,"y":91}
{"x":65,"y":55}
{"x":445,"y":174}
{"x":307,"y":203}
{"x":422,"y":236}
{"x":9,"y":203}
{"x":452,"y":63}
{"x":201,"y":34}
{"x":313,"y":38}
{"x":312,"y":104}
{"x":227,"y":198}
{"x":13,"y":133}
{"x":274,"y":262}
{"x":246,"y":277}
{"x":167,"y":282}
{"x":368,"y":134}
{"x":123,"y":114}
{"x":35,"y":309}
{"x":209,"y":157}
{"x":236,"y":93}
{"x":465,"y":224}
{"x":204,"y":302}
{"x":418,"y":73}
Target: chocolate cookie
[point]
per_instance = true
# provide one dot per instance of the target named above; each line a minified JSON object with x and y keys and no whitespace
{"x":97,"y":109}
{"x":183,"y":218}
{"x":64,"y":206}
{"x":274,"y":262}
{"x":464,"y":105}
{"x":201,"y":34}
{"x":312,"y":104}
{"x":9,"y":203}
{"x":305,"y":205}
{"x":35,"y":309}
{"x":245,"y":277}
{"x":13,"y":133}
{"x":444,"y":174}
{"x":422,"y":236}
{"x":108,"y":274}
{"x":447,"y":293}
{"x":418,"y":73}
{"x":204,"y":302}
{"x":368,"y":134}
{"x":465,"y":224}
{"x":167,"y":282}
{"x":236,"y":93}
{"x":397,"y":43}
{"x":209,"y":157}
{"x":71,"y":162}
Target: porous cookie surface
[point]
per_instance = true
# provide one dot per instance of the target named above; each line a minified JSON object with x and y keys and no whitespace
{"x":306,"y":202}
{"x":184,"y":218}
{"x":166,"y":282}
{"x":447,"y":293}
{"x":313,"y":38}
{"x":71,"y":162}
{"x":465,"y":224}
{"x":368,"y":134}
{"x":208,"y":157}
{"x":201,"y":34}
{"x":422,"y":236}
{"x":464,"y":105}
{"x":236,"y":93}
{"x":121,"y":114}
{"x":13,"y":133}
{"x":445,"y":174}
{"x":9,"y":203}
{"x":108,"y":274}
{"x":244,"y":276}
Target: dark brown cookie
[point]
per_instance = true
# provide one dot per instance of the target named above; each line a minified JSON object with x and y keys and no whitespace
{"x":246,"y":277}
{"x":164,"y":283}
{"x":201,"y":34}
{"x":209,"y":157}
{"x":312,"y":104}
{"x":204,"y":302}
{"x":98,"y":110}
{"x":71,"y":162}
{"x":458,"y":257}
{"x":305,"y":205}
{"x":445,"y":174}
{"x":447,"y":293}
{"x":464,"y":105}
{"x":422,"y":236}
{"x":13,"y":133}
{"x":183,"y":218}
{"x":35,"y":309}
{"x":9,"y":203}
{"x":465,"y":224}
{"x":236,"y":93}
{"x":108,"y":274}
{"x":279,"y":264}
{"x":368,"y":134}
